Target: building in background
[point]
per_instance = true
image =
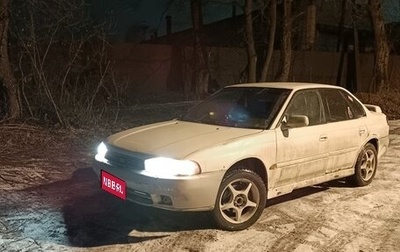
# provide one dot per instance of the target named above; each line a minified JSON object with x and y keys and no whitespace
{"x":138,"y":20}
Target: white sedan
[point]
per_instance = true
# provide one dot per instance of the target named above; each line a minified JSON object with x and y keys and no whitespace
{"x":243,"y":145}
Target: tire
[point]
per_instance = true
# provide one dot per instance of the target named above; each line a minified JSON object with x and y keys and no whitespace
{"x":365,"y":168}
{"x":240,"y":201}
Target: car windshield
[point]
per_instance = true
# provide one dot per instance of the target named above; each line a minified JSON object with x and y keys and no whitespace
{"x":242,"y":107}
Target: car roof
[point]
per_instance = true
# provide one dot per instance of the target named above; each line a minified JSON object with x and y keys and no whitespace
{"x":286,"y":85}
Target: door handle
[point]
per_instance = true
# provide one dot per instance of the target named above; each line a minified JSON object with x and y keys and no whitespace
{"x":323,"y":138}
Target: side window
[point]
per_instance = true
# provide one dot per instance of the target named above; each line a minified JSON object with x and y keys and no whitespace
{"x":307,"y":103}
{"x":356,"y":108}
{"x":338,"y":106}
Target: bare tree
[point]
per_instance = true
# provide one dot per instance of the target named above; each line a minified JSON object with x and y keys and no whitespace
{"x":201,"y":73}
{"x":286,"y":45}
{"x":6,"y":73}
{"x":251,"y":51}
{"x":311,"y":24}
{"x":62,"y":56}
{"x":271,"y":40}
{"x":381,"y":45}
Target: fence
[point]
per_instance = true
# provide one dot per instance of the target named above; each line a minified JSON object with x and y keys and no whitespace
{"x":158,"y":68}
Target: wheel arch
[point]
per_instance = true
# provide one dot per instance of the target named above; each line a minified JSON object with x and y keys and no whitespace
{"x":360,"y":178}
{"x":374,"y":142}
{"x":253,"y":164}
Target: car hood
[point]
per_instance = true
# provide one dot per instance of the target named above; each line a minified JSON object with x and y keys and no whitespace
{"x":176,"y":139}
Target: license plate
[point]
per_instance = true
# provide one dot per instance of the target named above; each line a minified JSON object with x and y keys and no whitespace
{"x":113,"y":185}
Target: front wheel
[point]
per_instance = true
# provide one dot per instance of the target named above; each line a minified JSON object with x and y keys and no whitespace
{"x":365,"y":168}
{"x":240,"y":201}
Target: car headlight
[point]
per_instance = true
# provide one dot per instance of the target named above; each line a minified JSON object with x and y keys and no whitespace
{"x":101,"y":152}
{"x":168,"y":167}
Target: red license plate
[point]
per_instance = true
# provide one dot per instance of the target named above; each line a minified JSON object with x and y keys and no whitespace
{"x":113,"y":185}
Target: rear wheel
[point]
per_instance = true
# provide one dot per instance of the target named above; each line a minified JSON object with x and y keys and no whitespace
{"x":240,"y":201}
{"x":365,"y":168}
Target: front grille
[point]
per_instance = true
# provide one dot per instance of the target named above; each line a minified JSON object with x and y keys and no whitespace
{"x":125,"y":161}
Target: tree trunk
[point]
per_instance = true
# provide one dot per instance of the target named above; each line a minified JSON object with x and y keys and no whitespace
{"x":6,"y":74}
{"x":341,"y":45}
{"x":311,"y":24}
{"x":271,"y":41}
{"x":340,"y":41}
{"x":286,"y":47}
{"x":381,"y":46}
{"x":251,"y":51}
{"x":201,"y":73}
{"x":357,"y":77}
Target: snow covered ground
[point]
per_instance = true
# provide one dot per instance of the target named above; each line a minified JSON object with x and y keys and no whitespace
{"x":51,"y":201}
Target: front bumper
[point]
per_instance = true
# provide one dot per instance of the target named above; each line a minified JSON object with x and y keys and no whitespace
{"x":191,"y":193}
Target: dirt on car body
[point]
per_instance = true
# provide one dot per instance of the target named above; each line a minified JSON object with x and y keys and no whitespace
{"x":50,"y":200}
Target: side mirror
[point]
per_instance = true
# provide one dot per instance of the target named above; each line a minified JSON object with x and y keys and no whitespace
{"x":295,"y":121}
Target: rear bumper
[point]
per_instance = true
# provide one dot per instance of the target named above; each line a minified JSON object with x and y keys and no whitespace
{"x":383,"y":146}
{"x":191,"y":193}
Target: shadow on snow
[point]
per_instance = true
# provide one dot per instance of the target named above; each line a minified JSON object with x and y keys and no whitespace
{"x":93,"y":217}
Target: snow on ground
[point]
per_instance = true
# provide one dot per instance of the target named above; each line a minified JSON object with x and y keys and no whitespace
{"x":51,"y":201}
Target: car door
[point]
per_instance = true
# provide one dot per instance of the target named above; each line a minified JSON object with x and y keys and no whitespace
{"x":346,"y":128}
{"x":302,"y":152}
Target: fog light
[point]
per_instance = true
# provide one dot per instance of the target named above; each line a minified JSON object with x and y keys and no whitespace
{"x":165,"y":200}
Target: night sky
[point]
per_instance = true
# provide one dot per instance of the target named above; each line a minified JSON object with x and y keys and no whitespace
{"x":149,"y":15}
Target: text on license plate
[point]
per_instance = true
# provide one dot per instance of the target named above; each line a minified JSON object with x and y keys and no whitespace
{"x":113,"y":185}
